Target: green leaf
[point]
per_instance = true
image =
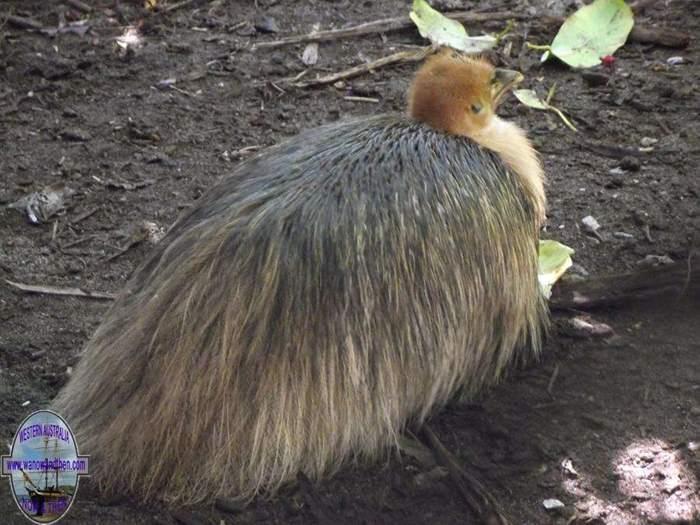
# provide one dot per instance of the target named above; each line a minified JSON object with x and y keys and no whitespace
{"x":530,"y":98}
{"x":592,"y":32}
{"x":443,"y":31}
{"x":554,"y":260}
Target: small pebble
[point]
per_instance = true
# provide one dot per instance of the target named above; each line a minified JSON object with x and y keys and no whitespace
{"x":310,"y":55}
{"x":166,"y":83}
{"x":229,"y":505}
{"x":75,"y":135}
{"x":630,"y":164}
{"x":674,"y":61}
{"x":552,"y":504}
{"x":616,"y":179}
{"x":266,"y":24}
{"x":26,"y":403}
{"x":590,"y":223}
{"x":425,"y":479}
{"x":640,"y":217}
{"x":567,"y":467}
{"x":648,"y":141}
{"x":595,"y":78}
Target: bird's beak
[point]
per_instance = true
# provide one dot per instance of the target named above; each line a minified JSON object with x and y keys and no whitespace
{"x":503,"y":81}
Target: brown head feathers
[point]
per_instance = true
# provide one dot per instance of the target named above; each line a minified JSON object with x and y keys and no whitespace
{"x":459,"y":95}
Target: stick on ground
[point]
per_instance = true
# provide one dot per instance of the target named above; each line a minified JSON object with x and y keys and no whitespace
{"x":23,"y":23}
{"x":55,"y":290}
{"x":402,"y":57}
{"x":380,"y":26}
{"x":475,"y":494}
{"x":79,"y":5}
{"x":640,"y":33}
{"x":675,"y":279}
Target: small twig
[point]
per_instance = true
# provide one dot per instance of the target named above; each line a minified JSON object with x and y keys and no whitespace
{"x":382,"y":26}
{"x":176,"y":5}
{"x":23,"y":23}
{"x":509,"y":27}
{"x":352,"y":98}
{"x":550,"y":93}
{"x":480,"y":501}
{"x":246,"y":150}
{"x":550,"y":385}
{"x":563,"y":118}
{"x":659,"y":36}
{"x":662,"y":125}
{"x":55,"y":290}
{"x":54,"y":231}
{"x":123,"y":250}
{"x":182,"y":91}
{"x":538,"y":47}
{"x":401,"y":57}
{"x":639,"y":34}
{"x":76,"y":242}
{"x":85,"y":215}
{"x":80,"y":6}
{"x":689,"y":274}
{"x":282,"y":91}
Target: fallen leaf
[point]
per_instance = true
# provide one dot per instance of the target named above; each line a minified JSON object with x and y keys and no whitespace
{"x":444,"y":31}
{"x":532,"y":100}
{"x":593,"y":32}
{"x":554,"y":260}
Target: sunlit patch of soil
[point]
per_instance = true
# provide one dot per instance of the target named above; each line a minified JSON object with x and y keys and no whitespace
{"x":654,"y":484}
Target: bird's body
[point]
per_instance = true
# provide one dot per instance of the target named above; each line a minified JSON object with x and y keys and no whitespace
{"x":327,"y":293}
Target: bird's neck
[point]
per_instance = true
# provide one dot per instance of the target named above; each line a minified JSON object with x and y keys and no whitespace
{"x":512,"y":145}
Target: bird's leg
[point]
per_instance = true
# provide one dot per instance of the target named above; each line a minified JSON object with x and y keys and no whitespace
{"x":475,"y":494}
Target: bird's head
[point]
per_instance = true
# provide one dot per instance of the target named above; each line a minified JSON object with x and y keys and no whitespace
{"x":457,"y":94}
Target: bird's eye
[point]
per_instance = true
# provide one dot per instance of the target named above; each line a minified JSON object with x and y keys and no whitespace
{"x":476,"y":108}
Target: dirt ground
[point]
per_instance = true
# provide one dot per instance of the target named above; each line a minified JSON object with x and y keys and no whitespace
{"x":610,"y":427}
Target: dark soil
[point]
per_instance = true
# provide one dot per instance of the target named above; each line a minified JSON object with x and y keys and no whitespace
{"x":616,"y":436}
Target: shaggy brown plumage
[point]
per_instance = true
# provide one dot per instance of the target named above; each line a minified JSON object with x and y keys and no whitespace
{"x":328,"y":292}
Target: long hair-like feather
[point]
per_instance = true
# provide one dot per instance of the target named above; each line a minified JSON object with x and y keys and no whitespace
{"x":331,"y":290}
